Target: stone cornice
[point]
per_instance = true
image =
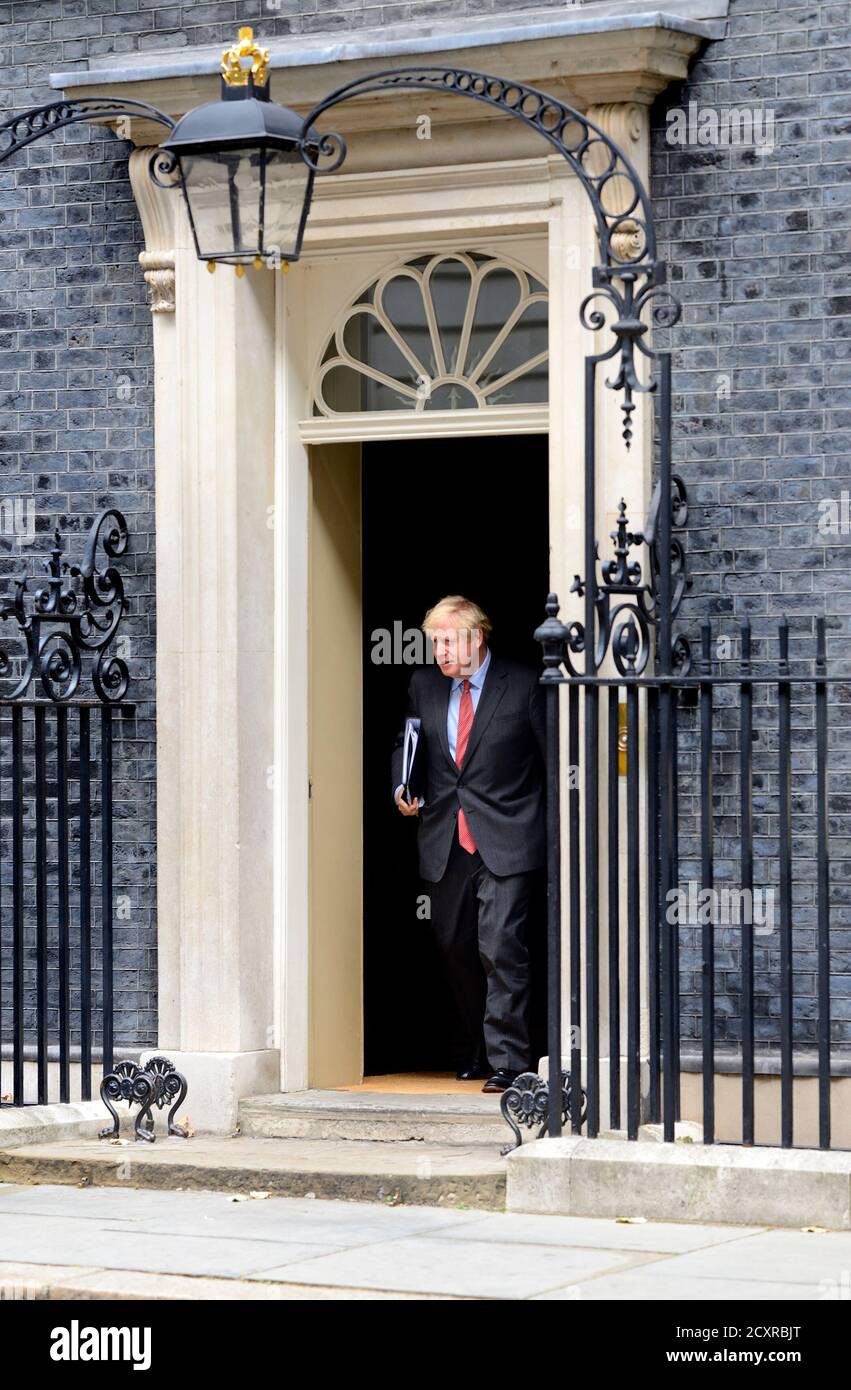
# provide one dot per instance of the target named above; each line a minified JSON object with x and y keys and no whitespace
{"x":584,"y":59}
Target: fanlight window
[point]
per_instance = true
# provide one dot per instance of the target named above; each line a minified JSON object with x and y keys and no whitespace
{"x":456,"y":331}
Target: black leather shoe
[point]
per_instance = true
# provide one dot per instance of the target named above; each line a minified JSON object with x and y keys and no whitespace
{"x":500,"y":1080}
{"x":473,"y":1070}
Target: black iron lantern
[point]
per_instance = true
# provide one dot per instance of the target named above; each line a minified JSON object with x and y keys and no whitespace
{"x":242,"y":164}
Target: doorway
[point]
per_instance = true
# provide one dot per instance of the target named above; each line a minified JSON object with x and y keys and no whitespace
{"x":451,"y":516}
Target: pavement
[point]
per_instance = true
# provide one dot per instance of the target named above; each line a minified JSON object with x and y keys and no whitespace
{"x":62,"y":1242}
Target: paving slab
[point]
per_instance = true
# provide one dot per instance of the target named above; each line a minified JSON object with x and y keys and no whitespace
{"x":64,"y":1240}
{"x":603,"y":1233}
{"x":60,"y":1241}
{"x":635,"y":1287}
{"x":433,"y":1265}
{"x":778,"y":1257}
{"x":109,"y":1285}
{"x":315,"y":1222}
{"x":78,"y":1283}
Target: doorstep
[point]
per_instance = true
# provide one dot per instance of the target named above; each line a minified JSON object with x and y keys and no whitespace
{"x":465,"y":1118}
{"x":419,"y":1174}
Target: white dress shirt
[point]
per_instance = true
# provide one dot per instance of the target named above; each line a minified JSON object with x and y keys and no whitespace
{"x":477,"y":680}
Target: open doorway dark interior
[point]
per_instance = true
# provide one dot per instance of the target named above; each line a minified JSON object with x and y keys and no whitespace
{"x":452,"y":516}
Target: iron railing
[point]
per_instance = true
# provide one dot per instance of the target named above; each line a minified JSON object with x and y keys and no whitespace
{"x":722,"y":775}
{"x":57,"y":890}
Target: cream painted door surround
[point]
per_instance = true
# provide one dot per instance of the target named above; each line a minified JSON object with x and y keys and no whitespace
{"x":507,"y":217}
{"x":233,"y":427}
{"x":531,"y":214}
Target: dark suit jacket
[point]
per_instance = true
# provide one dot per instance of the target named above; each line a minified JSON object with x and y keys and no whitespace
{"x":501,"y":783}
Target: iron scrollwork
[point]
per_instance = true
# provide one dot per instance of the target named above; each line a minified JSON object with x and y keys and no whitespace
{"x":620,"y":203}
{"x":629,"y":277}
{"x":158,"y":1084}
{"x":629,"y":294}
{"x":680,"y":581}
{"x":21,"y":130}
{"x":526,"y":1103}
{"x":630,"y":301}
{"x":67,"y":620}
{"x":626,"y":603}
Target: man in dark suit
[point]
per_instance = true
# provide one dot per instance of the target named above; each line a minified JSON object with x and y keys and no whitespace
{"x":482,"y":830}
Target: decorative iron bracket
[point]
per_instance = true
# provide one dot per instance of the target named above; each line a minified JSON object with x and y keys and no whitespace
{"x":527,"y":1101}
{"x":65,"y":622}
{"x":31,"y":125}
{"x":21,"y":130}
{"x":626,"y":604}
{"x":155,"y":1084}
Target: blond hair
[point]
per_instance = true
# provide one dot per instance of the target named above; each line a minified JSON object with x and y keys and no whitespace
{"x":468,"y":614}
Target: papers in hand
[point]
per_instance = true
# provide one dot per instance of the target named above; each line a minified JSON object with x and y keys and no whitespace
{"x":410,"y":763}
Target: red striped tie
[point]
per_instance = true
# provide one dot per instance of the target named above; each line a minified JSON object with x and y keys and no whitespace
{"x":465,"y":724}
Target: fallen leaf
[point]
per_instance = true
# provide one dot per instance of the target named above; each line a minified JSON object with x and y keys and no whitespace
{"x":815,"y":1230}
{"x":631,"y":1220}
{"x":259,"y":1195}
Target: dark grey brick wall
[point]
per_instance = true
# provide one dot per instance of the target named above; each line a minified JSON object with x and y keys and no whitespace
{"x":758,"y":243}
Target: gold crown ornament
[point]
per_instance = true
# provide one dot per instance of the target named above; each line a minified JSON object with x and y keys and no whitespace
{"x":244,"y":57}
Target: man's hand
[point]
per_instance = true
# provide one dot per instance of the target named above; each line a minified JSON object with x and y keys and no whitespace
{"x":408,"y":808}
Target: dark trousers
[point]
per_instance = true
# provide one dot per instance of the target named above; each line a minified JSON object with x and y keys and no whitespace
{"x":480,"y":923}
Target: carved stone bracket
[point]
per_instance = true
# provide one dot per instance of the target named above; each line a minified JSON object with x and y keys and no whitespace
{"x":159,"y":277}
{"x":155,"y":202}
{"x":628,"y":125}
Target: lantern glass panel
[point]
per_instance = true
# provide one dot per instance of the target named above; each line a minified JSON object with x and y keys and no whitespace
{"x":287,"y":178}
{"x":223,"y":191}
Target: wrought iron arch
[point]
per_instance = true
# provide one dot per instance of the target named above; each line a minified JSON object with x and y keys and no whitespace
{"x":627,"y":612}
{"x":572,"y":134}
{"x":624,"y":614}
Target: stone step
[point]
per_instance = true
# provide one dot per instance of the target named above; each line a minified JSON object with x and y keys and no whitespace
{"x":419,"y":1174}
{"x":382,"y":1116}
